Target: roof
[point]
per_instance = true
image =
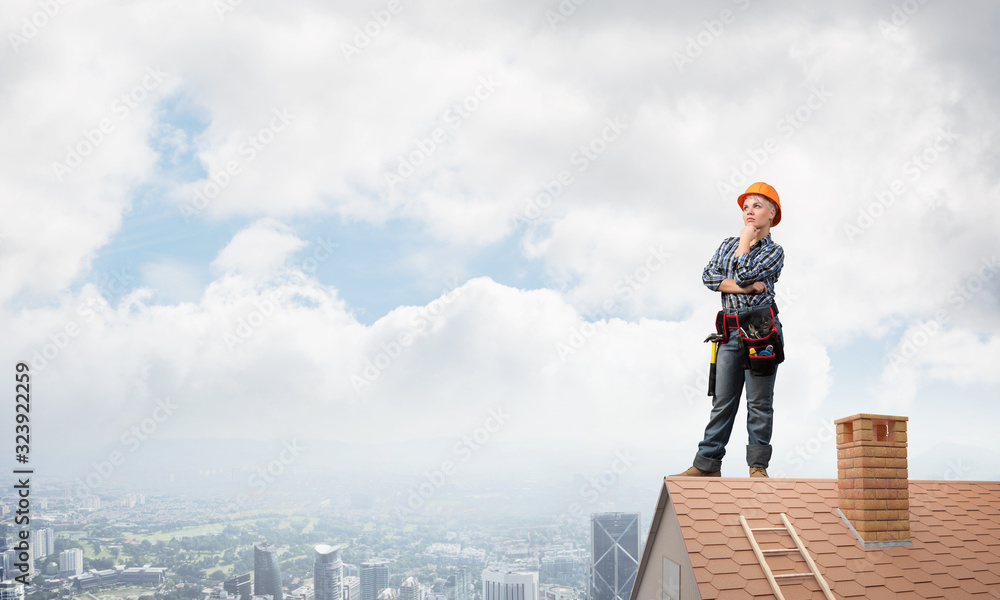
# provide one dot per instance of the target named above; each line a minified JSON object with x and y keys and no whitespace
{"x":954,"y":551}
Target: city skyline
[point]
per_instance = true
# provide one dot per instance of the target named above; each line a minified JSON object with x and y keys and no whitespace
{"x":449,"y":256}
{"x":239,"y":558}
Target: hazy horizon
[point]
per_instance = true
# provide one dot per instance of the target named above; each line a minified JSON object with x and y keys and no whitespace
{"x":476,"y":232}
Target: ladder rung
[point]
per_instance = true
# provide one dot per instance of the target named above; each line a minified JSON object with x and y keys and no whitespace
{"x":799,"y":546}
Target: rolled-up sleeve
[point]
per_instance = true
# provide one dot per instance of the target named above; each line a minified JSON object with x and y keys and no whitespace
{"x":764,"y":265}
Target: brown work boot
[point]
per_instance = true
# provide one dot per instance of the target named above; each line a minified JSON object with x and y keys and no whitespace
{"x":696,"y":472}
{"x":758,"y":472}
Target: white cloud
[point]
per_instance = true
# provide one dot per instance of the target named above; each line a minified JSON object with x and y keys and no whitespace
{"x":259,"y":249}
{"x":259,"y":359}
{"x":173,"y":281}
{"x":930,"y":352}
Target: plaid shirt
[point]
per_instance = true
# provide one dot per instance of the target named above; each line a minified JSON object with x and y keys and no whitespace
{"x":762,"y":263}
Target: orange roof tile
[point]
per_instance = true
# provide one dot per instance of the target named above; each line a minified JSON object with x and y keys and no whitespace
{"x":954,"y":550}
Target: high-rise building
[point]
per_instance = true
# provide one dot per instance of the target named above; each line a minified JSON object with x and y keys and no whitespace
{"x":239,"y":586}
{"x":266,"y":571}
{"x":327,"y":573}
{"x":458,"y":585}
{"x":10,"y":558}
{"x":11,"y":590}
{"x":50,"y":541}
{"x":36,"y":539}
{"x":500,"y":584}
{"x":615,"y":555}
{"x":352,"y":588}
{"x":410,"y":589}
{"x":374,"y":578}
{"x":71,"y":562}
{"x":42,"y":542}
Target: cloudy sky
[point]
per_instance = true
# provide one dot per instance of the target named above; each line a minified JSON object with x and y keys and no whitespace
{"x":380,"y":220}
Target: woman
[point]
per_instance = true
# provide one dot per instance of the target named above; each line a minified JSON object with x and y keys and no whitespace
{"x":744,"y":269}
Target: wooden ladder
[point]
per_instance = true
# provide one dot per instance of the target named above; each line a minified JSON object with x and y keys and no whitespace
{"x":799,"y":547}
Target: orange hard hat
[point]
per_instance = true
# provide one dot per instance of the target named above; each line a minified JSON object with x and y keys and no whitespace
{"x":768,"y":192}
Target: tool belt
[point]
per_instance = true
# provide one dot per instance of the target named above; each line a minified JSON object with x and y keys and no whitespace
{"x":760,"y":345}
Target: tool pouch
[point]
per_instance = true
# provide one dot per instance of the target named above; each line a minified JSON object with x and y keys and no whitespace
{"x":720,"y":326}
{"x":760,"y":344}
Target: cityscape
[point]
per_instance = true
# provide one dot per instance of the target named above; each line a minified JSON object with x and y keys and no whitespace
{"x":161,"y":546}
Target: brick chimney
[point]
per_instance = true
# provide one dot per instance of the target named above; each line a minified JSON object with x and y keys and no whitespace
{"x":872,"y":481}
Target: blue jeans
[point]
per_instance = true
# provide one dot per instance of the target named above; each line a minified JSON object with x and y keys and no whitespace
{"x":730,"y":378}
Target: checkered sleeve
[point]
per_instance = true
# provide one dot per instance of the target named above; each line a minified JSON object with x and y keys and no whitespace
{"x":761,"y":264}
{"x":721,"y":264}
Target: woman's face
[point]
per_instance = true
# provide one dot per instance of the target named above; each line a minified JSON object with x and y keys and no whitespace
{"x":757,"y":212}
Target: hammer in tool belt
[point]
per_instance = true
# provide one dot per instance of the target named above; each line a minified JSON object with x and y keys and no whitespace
{"x":715,"y":338}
